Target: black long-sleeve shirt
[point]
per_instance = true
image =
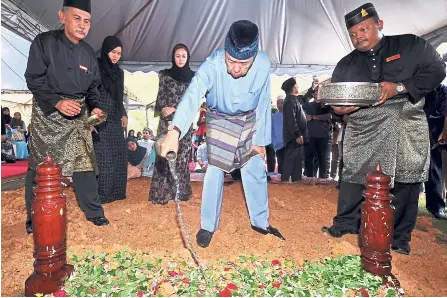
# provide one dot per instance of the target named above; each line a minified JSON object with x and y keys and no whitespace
{"x":436,"y":103}
{"x":58,"y":68}
{"x":318,"y":128}
{"x":294,"y":120}
{"x":401,"y":58}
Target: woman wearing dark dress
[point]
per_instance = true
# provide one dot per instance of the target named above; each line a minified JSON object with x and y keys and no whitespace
{"x":109,"y":141}
{"x":173,"y":84}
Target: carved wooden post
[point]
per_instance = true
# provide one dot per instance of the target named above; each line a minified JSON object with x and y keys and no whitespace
{"x":377,"y":225}
{"x":48,"y":212}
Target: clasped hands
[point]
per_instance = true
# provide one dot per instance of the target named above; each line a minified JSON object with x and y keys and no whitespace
{"x":71,"y":108}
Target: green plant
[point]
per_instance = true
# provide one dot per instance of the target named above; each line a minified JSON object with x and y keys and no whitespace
{"x":132,"y":274}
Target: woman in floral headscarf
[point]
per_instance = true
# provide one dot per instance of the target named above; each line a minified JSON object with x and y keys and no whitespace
{"x":173,"y":84}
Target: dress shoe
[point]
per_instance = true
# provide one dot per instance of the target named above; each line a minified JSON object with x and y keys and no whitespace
{"x":337,"y":233}
{"x":99,"y":221}
{"x":440,"y":214}
{"x":402,"y":248}
{"x":29,"y":227}
{"x":269,"y":230}
{"x":203,"y":238}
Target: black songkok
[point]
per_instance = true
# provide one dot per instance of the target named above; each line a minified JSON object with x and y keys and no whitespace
{"x":84,"y":5}
{"x":242,"y":41}
{"x":288,"y":85}
{"x":360,"y":14}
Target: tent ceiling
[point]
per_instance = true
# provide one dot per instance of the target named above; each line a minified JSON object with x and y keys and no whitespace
{"x":292,"y":32}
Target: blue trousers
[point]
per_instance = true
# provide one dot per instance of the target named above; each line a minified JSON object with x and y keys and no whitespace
{"x":254,"y":180}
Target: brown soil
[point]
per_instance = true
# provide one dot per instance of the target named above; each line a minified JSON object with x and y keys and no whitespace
{"x":297,"y":210}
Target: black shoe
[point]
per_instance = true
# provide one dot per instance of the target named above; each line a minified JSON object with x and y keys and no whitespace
{"x":440,"y":214}
{"x":203,"y":238}
{"x":269,"y":230}
{"x":337,"y":233}
{"x":99,"y":221}
{"x":29,"y":227}
{"x":402,"y":248}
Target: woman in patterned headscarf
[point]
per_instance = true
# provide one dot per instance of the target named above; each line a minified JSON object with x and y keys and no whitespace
{"x":172,"y":86}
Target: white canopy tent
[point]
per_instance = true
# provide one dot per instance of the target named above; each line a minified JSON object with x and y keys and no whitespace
{"x":304,"y":37}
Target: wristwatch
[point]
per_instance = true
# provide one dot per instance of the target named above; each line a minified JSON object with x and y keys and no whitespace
{"x":400,"y":87}
{"x":173,"y":127}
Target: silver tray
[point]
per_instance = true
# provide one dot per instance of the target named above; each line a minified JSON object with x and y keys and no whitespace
{"x":349,"y":94}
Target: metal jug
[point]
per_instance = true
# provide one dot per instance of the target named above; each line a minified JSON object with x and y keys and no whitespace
{"x":171,"y":155}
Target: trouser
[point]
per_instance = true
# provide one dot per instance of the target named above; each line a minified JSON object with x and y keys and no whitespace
{"x":405,"y":202}
{"x":340,"y":152}
{"x":434,"y":186}
{"x":340,"y":163}
{"x":86,"y":190}
{"x":280,"y":157}
{"x":335,"y":161}
{"x":254,"y":181}
{"x":444,"y":174}
{"x":320,"y":148}
{"x":271,"y":162}
{"x":293,"y":162}
{"x":236,"y":174}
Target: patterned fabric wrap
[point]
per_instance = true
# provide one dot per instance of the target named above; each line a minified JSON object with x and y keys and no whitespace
{"x":228,"y":139}
{"x":66,"y":139}
{"x":8,"y":153}
{"x":394,"y":134}
{"x":17,"y":135}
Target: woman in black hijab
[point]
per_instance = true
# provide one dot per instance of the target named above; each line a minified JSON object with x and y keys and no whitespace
{"x":109,"y":141}
{"x":172,"y":85}
{"x":6,"y":116}
{"x":135,"y":157}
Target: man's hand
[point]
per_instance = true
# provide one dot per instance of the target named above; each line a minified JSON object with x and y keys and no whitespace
{"x":98,"y":112}
{"x":68,"y":107}
{"x":308,"y":117}
{"x":258,"y":149}
{"x":204,"y":166}
{"x":388,"y":90}
{"x":300,"y":140}
{"x":345,"y":110}
{"x":170,"y":143}
{"x":124,"y":121}
{"x":167,"y":111}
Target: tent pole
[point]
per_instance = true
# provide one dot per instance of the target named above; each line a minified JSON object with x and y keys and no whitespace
{"x":147,"y":118}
